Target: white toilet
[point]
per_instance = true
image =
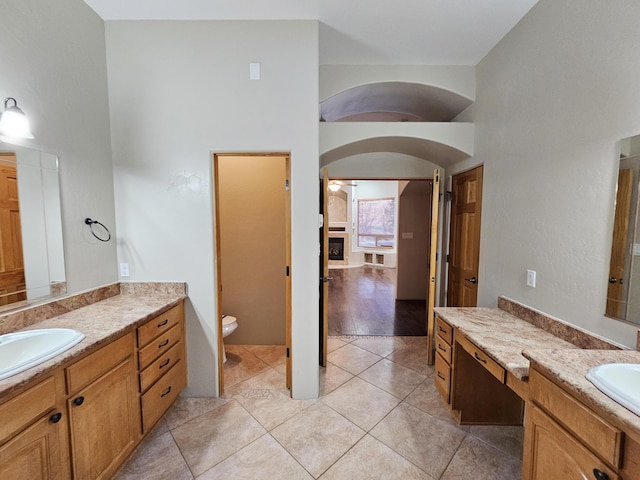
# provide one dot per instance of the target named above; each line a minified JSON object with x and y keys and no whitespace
{"x":229,"y":325}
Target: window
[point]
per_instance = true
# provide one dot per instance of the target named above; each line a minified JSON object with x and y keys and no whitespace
{"x":376,"y":222}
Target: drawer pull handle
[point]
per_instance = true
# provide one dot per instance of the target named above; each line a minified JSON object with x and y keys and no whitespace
{"x":167,"y":392}
{"x":440,"y":347}
{"x":165,"y":363}
{"x":164,"y":344}
{"x":55,"y":418}
{"x":442,"y":329}
{"x":162,"y":324}
{"x":600,"y":475}
{"x":479,"y":358}
{"x":78,"y":401}
{"x":441,"y":376}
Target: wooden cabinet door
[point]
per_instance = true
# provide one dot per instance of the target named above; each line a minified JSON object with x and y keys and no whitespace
{"x":551,"y":452}
{"x":105,"y":423}
{"x":40,"y":452}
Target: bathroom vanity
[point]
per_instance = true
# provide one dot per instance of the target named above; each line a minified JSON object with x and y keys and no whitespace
{"x":82,"y":413}
{"x":572,"y":430}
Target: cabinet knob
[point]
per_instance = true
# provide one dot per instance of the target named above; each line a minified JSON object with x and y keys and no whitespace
{"x":55,"y":418}
{"x":600,"y":475}
{"x":78,"y":401}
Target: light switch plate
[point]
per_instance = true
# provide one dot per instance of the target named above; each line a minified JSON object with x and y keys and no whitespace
{"x":531,"y":278}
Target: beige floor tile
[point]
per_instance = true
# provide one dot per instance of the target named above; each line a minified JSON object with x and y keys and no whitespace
{"x":475,"y":459}
{"x":184,"y":409}
{"x":210,"y":438}
{"x":426,"y":441}
{"x":317,"y":437}
{"x":414,"y":356}
{"x":264,"y":459}
{"x":392,"y":377}
{"x":266,"y":380}
{"x":331,"y":377}
{"x":509,"y":440}
{"x":274,"y":410}
{"x":382,"y":346}
{"x":362,"y":403}
{"x":241,"y":365}
{"x":157,"y":458}
{"x":352,"y":359}
{"x":273,"y":355}
{"x":333,"y":343}
{"x":371,"y":459}
{"x":427,"y":398}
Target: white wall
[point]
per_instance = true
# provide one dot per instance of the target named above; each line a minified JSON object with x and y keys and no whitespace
{"x":179,"y":91}
{"x":554,"y":98}
{"x":52,"y":60}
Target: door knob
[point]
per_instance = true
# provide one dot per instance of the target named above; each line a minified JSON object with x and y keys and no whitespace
{"x":473,"y":280}
{"x":326,"y":279}
{"x":612,"y":280}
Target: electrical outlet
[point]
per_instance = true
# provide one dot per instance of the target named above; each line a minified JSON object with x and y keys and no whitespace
{"x":124,"y":269}
{"x":531,"y":278}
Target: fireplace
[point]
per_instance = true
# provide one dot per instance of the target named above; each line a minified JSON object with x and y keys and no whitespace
{"x":336,"y":248}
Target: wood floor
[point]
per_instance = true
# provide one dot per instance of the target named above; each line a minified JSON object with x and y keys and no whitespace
{"x":362,"y":302}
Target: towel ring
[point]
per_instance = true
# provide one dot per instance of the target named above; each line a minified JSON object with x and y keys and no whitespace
{"x":91,"y":223}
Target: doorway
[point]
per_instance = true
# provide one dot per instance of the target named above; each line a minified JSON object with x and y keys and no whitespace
{"x":253,"y":252}
{"x":379,"y":284}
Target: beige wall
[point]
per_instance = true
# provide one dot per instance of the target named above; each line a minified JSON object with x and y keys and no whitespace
{"x":178,"y":91}
{"x":554,"y":98}
{"x":413,"y":217}
{"x":252,"y":243}
{"x":53,"y":61}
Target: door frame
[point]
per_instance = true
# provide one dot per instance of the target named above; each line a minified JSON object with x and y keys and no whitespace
{"x":324,"y":179}
{"x":287,"y":270}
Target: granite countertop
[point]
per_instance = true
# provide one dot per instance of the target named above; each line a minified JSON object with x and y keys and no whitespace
{"x":502,"y":336}
{"x":569,"y":367}
{"x":100,"y":322}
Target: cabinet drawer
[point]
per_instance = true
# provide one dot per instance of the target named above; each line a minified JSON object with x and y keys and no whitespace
{"x":593,"y":431}
{"x":159,"y":346}
{"x":444,"y":349}
{"x":20,"y":411}
{"x":483,"y":359}
{"x":160,"y":366}
{"x":158,"y":325}
{"x":160,"y":396}
{"x":442,"y":377}
{"x":444,"y":330}
{"x":98,"y":363}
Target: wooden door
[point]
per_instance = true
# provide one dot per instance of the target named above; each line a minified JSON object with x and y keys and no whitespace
{"x":433,"y":264}
{"x":464,"y":239}
{"x":551,"y":452}
{"x":324,"y":269}
{"x":12,"y":279}
{"x":616,"y":305}
{"x":105,"y":424}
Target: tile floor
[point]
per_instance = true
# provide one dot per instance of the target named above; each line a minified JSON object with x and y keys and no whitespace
{"x":379,"y":416}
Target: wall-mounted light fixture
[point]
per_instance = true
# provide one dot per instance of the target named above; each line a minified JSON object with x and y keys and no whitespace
{"x":13,"y":121}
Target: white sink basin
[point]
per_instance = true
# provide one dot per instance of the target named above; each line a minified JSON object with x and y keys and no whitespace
{"x":22,"y":350}
{"x":620,"y":381}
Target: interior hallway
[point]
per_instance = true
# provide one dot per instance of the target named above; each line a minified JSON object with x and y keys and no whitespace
{"x":379,"y":416}
{"x":362,"y":302}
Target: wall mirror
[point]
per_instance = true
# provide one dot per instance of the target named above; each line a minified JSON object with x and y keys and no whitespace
{"x":623,"y":292}
{"x":31,"y":244}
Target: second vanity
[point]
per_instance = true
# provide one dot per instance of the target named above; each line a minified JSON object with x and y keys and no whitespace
{"x":82,"y":413}
{"x":512,"y":365}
